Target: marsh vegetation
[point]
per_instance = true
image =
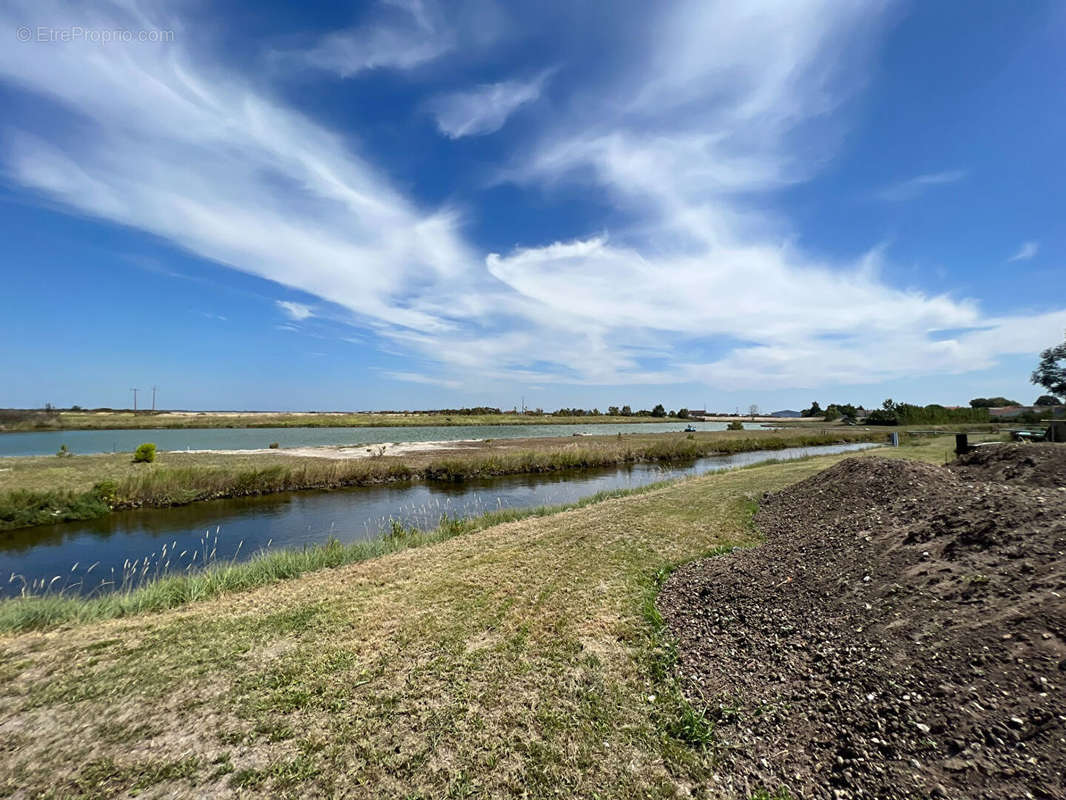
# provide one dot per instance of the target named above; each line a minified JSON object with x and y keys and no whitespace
{"x":36,"y":491}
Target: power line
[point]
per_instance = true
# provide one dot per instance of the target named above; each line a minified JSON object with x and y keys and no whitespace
{"x":134,"y":398}
{"x":154,"y":389}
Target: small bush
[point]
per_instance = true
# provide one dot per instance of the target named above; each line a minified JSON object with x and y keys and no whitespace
{"x":144,"y":454}
{"x":735,"y":425}
{"x":106,"y":491}
{"x":64,"y":451}
{"x":274,"y":445}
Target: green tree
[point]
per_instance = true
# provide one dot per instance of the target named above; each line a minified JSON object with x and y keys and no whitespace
{"x":627,"y":411}
{"x":1047,"y":400}
{"x":814,"y":411}
{"x":837,"y":410}
{"x":658,"y":411}
{"x":682,"y":413}
{"x":144,"y":454}
{"x":1051,"y":371}
{"x":992,"y":402}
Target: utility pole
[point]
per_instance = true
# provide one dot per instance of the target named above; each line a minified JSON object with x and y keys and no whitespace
{"x":154,"y":389}
{"x":134,"y":398}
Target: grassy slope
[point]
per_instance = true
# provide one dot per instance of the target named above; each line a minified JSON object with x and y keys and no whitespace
{"x":45,"y":489}
{"x":519,"y":659}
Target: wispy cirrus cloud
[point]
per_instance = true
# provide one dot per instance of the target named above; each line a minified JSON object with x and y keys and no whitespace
{"x":707,"y":109}
{"x":1027,"y":251}
{"x":403,"y":35}
{"x":918,"y":185}
{"x":203,"y":170}
{"x":295,"y":311}
{"x":485,"y":108}
{"x":430,"y":380}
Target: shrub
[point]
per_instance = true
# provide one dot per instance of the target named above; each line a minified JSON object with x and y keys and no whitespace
{"x":274,"y":445}
{"x":64,"y":451}
{"x":735,"y":425}
{"x":106,"y":491}
{"x":145,"y":453}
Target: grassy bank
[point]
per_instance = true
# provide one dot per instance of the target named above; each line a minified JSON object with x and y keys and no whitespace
{"x":517,"y":660}
{"x":46,"y":490}
{"x":33,"y":420}
{"x":49,"y":610}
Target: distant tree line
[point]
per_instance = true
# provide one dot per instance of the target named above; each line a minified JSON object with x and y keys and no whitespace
{"x":832,"y":412}
{"x":614,"y":411}
{"x":463,"y":412}
{"x":892,"y":413}
{"x":622,"y":411}
{"x":992,"y":402}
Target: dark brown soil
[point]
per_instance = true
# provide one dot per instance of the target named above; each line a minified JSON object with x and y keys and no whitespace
{"x":901,"y":633}
{"x":1026,"y":464}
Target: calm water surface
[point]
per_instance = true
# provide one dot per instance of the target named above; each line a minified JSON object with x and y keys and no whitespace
{"x":241,"y":527}
{"x":46,"y":443}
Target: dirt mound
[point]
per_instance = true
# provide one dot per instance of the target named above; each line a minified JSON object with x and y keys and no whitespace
{"x":1035,"y":464}
{"x":901,"y":633}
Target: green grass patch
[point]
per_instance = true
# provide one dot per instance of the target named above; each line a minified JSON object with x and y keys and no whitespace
{"x":24,"y":508}
{"x":104,"y":778}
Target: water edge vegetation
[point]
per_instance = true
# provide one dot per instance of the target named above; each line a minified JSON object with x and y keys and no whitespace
{"x":47,"y":490}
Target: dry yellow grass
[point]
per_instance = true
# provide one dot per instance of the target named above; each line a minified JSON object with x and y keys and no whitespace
{"x":514,"y":661}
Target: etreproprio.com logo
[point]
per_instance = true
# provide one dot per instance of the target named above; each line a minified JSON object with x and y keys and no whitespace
{"x":77,"y":33}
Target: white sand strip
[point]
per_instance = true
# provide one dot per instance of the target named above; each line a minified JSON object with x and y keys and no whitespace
{"x":346,"y":451}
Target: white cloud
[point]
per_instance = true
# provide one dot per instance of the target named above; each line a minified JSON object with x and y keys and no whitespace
{"x":405,"y":38}
{"x":418,"y":377}
{"x":204,"y":168}
{"x":1027,"y":251}
{"x":708,"y":108}
{"x":485,"y":108}
{"x":403,"y":35}
{"x":912,"y":187}
{"x":295,"y":311}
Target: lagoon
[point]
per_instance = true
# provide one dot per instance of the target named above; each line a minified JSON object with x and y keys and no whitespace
{"x":45,"y":443}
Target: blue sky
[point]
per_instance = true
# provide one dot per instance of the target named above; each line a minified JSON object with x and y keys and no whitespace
{"x":412,"y":204}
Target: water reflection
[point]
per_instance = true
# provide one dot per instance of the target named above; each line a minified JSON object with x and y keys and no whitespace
{"x":249,"y":524}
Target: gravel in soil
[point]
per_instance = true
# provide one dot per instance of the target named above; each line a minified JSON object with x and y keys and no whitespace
{"x":901,"y":633}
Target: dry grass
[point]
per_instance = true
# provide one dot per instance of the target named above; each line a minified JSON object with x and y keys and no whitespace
{"x":513,"y":661}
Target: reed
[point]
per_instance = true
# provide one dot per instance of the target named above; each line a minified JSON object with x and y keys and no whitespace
{"x":163,"y":486}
